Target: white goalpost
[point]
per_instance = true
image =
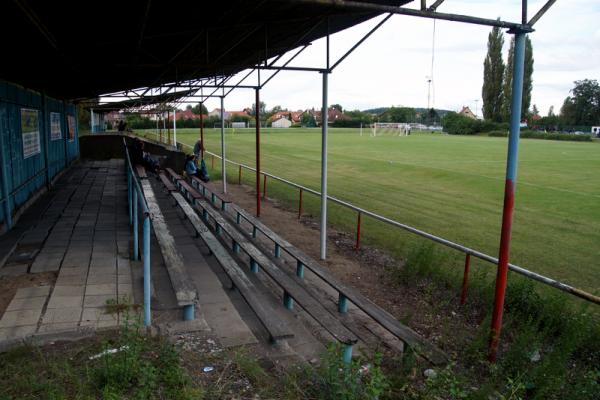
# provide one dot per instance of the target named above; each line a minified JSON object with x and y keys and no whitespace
{"x":390,"y":129}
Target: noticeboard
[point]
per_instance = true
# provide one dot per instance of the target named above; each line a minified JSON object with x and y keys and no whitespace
{"x":30,"y":132}
{"x":71,"y":128}
{"x":55,"y":131}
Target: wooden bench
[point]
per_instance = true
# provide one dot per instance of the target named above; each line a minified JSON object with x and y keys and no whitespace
{"x":141,"y":171}
{"x":204,"y":187}
{"x":167,"y":182}
{"x":385,"y":319}
{"x":274,"y":326}
{"x":293,"y":290}
{"x":185,"y":292}
{"x":174,"y":175}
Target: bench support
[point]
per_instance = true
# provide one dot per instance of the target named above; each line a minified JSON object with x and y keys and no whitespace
{"x":277,"y":251}
{"x":147,"y":319}
{"x":288,"y":301}
{"x":236,"y":247}
{"x":254,"y":230}
{"x":136,"y":245}
{"x":300,"y":270}
{"x":343,"y":304}
{"x":253,"y":266}
{"x":238,"y":218}
{"x":188,"y":312}
{"x":347,"y":357}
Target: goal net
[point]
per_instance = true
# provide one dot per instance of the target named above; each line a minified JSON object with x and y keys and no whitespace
{"x":390,"y":129}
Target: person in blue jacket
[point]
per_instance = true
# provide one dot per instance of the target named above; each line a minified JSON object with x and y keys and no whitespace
{"x":192,"y":170}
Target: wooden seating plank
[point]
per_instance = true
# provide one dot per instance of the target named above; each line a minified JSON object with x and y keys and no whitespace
{"x":293,"y":288}
{"x":168,"y":184}
{"x":185,"y":292}
{"x":249,"y":291}
{"x":385,"y":319}
{"x":189,"y":189}
{"x":221,"y":196}
{"x":174,"y":175}
{"x":141,"y":171}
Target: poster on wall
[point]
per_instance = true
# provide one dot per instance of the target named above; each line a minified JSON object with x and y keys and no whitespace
{"x":55,"y":133}
{"x":30,"y":131}
{"x":71,"y":127}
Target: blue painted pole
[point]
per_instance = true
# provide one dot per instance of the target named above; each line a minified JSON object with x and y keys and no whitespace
{"x":254,"y":230}
{"x":253,"y":266}
{"x":288,"y":301}
{"x":188,"y":312}
{"x":129,"y":196}
{"x":300,"y":270}
{"x":347,"y":357}
{"x":342,"y":304}
{"x":238,"y":218}
{"x":5,"y":190}
{"x":277,"y":251}
{"x":136,"y":249}
{"x":509,"y":192}
{"x":147,"y":319}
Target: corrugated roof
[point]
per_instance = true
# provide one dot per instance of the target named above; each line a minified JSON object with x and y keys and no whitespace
{"x":81,"y":49}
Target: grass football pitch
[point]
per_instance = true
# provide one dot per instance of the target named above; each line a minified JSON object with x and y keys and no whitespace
{"x":450,"y":186}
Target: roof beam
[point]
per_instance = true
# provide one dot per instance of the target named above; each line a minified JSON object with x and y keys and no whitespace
{"x":540,"y":13}
{"x":350,"y":4}
{"x":435,"y":5}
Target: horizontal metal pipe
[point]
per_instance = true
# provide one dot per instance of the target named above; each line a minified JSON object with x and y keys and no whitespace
{"x":466,"y":250}
{"x":367,"y":6}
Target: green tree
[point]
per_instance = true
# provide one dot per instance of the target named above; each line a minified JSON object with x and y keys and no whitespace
{"x":307,"y":120}
{"x":583,"y":106}
{"x":527,"y":80}
{"x":507,"y":84}
{"x":196,"y":109}
{"x":263,"y":108}
{"x":493,"y":74}
{"x":551,"y":111}
{"x":337,"y":107}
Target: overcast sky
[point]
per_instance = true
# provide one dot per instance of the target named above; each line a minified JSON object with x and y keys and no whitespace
{"x":391,"y":67}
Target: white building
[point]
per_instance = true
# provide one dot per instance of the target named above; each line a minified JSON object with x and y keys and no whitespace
{"x":596,"y":130}
{"x":281,"y":123}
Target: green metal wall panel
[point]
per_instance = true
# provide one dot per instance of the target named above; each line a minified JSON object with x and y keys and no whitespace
{"x":26,"y":175}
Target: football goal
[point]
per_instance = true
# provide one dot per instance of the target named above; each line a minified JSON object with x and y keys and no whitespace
{"x":390,"y":129}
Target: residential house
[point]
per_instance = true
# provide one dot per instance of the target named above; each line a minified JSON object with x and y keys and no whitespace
{"x":466,"y":111}
{"x":282,"y":122}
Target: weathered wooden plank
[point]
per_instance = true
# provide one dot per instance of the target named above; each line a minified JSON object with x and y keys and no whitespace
{"x":385,"y":319}
{"x":189,"y":189}
{"x":168,"y":184}
{"x":276,"y":328}
{"x":289,"y":285}
{"x":174,"y":175}
{"x":185,"y":292}
{"x":141,"y":171}
{"x":223,"y":197}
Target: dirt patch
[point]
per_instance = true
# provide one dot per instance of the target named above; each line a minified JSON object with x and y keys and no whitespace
{"x":431,"y":310}
{"x":10,"y":284}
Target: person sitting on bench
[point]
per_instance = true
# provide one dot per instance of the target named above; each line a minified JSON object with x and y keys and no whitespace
{"x":192,"y":170}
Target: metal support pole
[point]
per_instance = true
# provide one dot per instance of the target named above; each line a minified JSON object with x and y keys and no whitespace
{"x":299,"y":269}
{"x":92,"y":120}
{"x":358,"y":223}
{"x":4,"y":169}
{"x":324,"y":169}
{"x":264,"y":186}
{"x":288,"y":301}
{"x":240,"y":175}
{"x":509,"y":192}
{"x":201,"y":130}
{"x":465,"y":285}
{"x":223,"y":173}
{"x":147,"y":319}
{"x":253,"y":266}
{"x":257,"y":115}
{"x":342,"y":304}
{"x":136,"y":249}
{"x":129,"y":196}
{"x":175,"y":127}
{"x":188,"y":312}
{"x":300,"y":205}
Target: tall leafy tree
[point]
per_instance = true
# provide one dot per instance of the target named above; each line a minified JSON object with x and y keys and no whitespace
{"x":527,"y":80}
{"x":196,"y":109}
{"x":507,"y":85}
{"x":583,"y":106}
{"x":493,"y":73}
